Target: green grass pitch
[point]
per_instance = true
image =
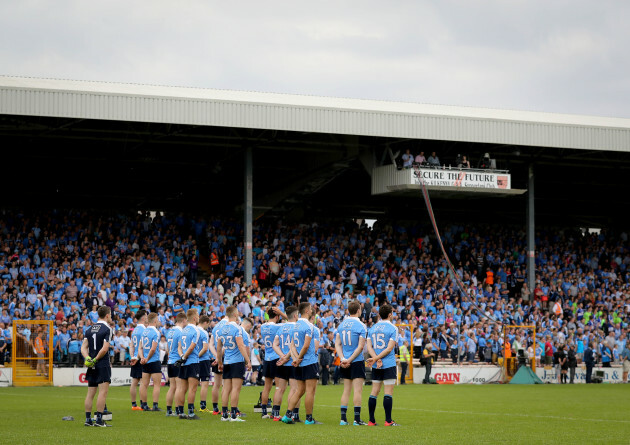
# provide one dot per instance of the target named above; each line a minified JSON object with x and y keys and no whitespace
{"x":433,"y":414}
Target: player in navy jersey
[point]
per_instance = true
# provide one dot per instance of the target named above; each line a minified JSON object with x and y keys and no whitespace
{"x":268,"y":334}
{"x":136,"y":366}
{"x":349,"y":343}
{"x":304,"y":352}
{"x":285,"y":373}
{"x":382,"y":339}
{"x":204,"y":362}
{"x":218,"y":375}
{"x":172,"y":337}
{"x":149,"y":355}
{"x":233,"y":365}
{"x":189,"y":361}
{"x":95,"y":351}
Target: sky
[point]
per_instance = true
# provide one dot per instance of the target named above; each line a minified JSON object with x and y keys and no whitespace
{"x":564,"y":56}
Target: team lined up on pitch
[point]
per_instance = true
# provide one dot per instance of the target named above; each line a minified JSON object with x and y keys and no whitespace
{"x":291,"y":342}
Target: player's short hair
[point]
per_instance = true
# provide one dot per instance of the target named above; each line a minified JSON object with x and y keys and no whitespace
{"x":303,"y":307}
{"x":384,"y":311}
{"x":248,"y":320}
{"x":103,"y":311}
{"x":354,"y":306}
{"x":204,"y":319}
{"x":231,"y":311}
{"x":152,"y":316}
{"x":141,"y":313}
{"x":290,"y":311}
{"x":180,"y":317}
{"x":190,"y":313}
{"x":271,"y":313}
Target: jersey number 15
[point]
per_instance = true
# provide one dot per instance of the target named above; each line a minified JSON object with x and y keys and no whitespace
{"x":379,"y":340}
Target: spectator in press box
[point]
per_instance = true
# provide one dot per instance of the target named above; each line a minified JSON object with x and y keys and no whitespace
{"x":420,"y":159}
{"x":407,"y":159}
{"x":433,"y":160}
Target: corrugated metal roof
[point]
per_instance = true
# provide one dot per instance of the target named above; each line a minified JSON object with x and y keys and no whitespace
{"x":196,"y":106}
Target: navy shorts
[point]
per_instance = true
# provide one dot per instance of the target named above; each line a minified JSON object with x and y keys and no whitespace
{"x":356,"y":370}
{"x":204,"y":371}
{"x":285,"y":372}
{"x":308,"y":372}
{"x":152,"y":368}
{"x":380,"y":375}
{"x":173,"y":371}
{"x":96,"y":376}
{"x":270,"y":369}
{"x":136,"y":371}
{"x":215,"y":370}
{"x":189,"y":371}
{"x":234,"y":371}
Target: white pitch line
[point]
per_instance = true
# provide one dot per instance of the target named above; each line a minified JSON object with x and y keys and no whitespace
{"x":537,"y":416}
{"x":65,"y":397}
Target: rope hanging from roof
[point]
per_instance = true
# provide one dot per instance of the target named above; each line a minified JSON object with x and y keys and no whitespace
{"x":460,"y":285}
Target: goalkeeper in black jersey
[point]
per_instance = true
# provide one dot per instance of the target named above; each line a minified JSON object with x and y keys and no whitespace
{"x":95,"y":351}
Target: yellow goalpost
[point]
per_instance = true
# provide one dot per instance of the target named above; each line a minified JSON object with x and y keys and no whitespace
{"x":409,"y":375}
{"x":32,"y":353}
{"x":510,"y":363}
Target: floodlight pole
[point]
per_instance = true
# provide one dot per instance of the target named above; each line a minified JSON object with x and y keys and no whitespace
{"x":531,"y":233}
{"x":249,"y":198}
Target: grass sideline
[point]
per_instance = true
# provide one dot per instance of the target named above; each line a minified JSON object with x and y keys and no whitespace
{"x":428,"y":414}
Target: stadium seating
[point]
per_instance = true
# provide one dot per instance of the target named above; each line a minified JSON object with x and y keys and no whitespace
{"x":62,"y":265}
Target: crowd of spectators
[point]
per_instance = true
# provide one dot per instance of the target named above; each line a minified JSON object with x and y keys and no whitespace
{"x":62,"y":266}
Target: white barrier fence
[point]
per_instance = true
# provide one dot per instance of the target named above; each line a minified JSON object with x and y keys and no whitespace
{"x":611,"y":375}
{"x":442,"y":374}
{"x":6,"y":377}
{"x":76,"y":377}
{"x":120,"y":376}
{"x":459,"y":375}
{"x":494,"y":374}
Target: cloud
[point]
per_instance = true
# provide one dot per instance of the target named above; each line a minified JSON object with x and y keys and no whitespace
{"x":561,"y":56}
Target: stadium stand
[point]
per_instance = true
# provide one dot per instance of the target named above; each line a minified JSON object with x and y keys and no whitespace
{"x":62,"y":265}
